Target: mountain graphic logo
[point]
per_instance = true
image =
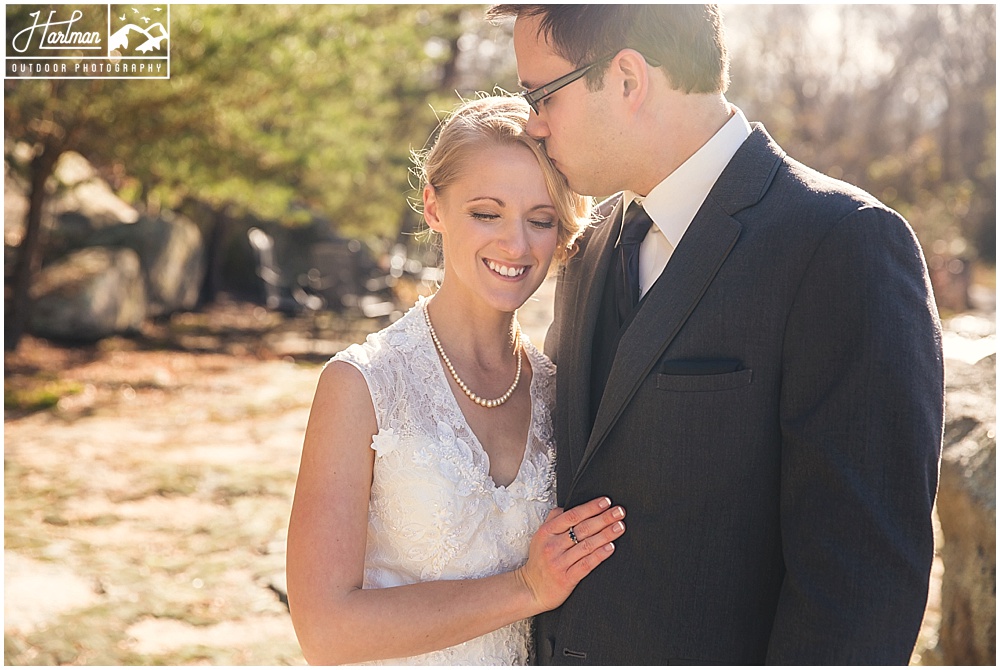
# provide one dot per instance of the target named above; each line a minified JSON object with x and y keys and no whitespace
{"x":145,"y":39}
{"x":121,"y":37}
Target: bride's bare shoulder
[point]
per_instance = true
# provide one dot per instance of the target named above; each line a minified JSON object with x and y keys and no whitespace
{"x":342,"y":394}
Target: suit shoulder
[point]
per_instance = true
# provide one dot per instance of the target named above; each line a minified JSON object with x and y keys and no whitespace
{"x":599,"y":216}
{"x":832,"y":198}
{"x":606,"y":207}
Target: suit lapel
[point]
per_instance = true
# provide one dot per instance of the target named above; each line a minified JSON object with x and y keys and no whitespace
{"x":575,"y":369}
{"x":661,"y":315}
{"x":673,"y":297}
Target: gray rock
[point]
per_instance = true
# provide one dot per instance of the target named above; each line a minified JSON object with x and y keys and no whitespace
{"x":967,"y":509}
{"x":89,"y":294}
{"x":82,"y":191}
{"x":172,"y":254}
{"x":82,"y":204}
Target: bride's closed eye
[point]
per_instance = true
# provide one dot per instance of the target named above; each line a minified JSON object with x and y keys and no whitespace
{"x":543,"y":223}
{"x":484,"y":216}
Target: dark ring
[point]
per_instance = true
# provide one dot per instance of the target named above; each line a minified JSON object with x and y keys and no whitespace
{"x":572,"y":536}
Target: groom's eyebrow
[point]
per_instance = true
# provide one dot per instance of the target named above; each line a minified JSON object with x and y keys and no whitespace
{"x":525,"y":85}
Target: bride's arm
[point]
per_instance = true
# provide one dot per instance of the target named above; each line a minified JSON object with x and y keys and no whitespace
{"x":337,"y":621}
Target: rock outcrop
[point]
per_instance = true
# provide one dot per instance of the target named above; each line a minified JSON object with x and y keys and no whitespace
{"x":88,"y":295}
{"x":967,"y":510}
{"x":172,"y":256}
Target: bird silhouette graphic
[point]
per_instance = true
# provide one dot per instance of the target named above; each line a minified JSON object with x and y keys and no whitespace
{"x":146,"y":19}
{"x":122,"y":17}
{"x":135,"y":10}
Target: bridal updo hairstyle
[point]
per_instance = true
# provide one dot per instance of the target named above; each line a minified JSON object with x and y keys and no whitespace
{"x":489,"y":122}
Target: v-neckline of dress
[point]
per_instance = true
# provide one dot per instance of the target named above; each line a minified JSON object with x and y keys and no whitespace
{"x":457,"y":410}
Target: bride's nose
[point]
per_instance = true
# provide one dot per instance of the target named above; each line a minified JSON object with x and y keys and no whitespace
{"x":514,"y":240}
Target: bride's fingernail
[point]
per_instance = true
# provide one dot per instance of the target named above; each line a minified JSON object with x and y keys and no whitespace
{"x":609,"y":547}
{"x":618,"y":527}
{"x":605,"y":503}
{"x":618,"y":513}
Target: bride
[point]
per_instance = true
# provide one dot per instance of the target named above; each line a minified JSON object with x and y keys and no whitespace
{"x":422,"y":530}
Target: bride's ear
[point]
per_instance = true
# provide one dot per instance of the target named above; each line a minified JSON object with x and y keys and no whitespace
{"x":432,"y":209}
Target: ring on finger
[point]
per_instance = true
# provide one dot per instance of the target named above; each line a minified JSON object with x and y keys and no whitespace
{"x":572,"y":535}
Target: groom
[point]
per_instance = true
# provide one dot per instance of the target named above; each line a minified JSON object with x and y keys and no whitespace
{"x":750,"y":365}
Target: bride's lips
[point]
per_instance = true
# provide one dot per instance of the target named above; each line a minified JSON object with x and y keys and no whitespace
{"x":506,"y":271}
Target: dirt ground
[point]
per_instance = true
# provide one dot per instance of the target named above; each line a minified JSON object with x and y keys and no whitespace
{"x":144,"y":515}
{"x":148,"y":483}
{"x":147,"y":489}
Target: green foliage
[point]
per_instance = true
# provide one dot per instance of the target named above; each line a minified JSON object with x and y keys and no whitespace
{"x":274,"y":110}
{"x":291,"y":111}
{"x":39,"y":396}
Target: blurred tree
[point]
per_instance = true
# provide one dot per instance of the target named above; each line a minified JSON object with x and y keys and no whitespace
{"x":898,"y":99}
{"x":279,"y":111}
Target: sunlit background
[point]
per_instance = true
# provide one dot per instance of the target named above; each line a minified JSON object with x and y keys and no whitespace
{"x":180,"y":256}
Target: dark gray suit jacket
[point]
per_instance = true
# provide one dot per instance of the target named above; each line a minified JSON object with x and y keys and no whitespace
{"x":772,"y":424}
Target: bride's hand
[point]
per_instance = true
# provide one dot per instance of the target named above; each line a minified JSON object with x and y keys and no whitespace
{"x":557,"y":563}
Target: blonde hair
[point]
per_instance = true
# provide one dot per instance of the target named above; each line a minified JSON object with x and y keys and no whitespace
{"x":495,"y":121}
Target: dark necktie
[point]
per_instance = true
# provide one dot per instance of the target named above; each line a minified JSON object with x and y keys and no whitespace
{"x":634,"y":230}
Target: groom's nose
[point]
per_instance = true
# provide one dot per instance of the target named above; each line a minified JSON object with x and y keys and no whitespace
{"x":536,"y":128}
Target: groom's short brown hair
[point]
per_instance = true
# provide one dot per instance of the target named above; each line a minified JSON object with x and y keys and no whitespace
{"x":687,"y":41}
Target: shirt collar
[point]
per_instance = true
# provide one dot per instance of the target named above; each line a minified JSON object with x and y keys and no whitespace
{"x":673,"y":203}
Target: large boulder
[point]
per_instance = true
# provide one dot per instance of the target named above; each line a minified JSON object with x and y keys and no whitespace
{"x":172,"y":255}
{"x":82,"y":204}
{"x":79,"y":203}
{"x":81,"y":189}
{"x":88,"y":295}
{"x":967,"y":510}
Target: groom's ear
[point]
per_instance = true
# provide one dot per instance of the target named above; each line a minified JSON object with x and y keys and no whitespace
{"x":632,"y":73}
{"x":432,"y":209}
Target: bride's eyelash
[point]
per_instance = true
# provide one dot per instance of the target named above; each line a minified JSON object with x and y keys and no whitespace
{"x":489,"y":216}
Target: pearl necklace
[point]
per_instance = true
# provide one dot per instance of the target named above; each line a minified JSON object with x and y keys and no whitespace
{"x":482,"y":402}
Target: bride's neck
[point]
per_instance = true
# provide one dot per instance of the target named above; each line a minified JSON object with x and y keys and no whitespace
{"x":474,"y":333}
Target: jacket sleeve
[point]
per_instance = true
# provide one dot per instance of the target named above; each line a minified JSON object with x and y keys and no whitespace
{"x":862,"y":406}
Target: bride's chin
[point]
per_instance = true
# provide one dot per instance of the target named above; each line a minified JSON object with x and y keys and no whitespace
{"x":507,"y":303}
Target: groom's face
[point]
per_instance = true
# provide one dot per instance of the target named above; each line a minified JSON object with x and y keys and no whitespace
{"x":575,"y":123}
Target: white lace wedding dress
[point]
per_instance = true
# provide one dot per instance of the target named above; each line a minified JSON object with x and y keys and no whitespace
{"x":435,"y":513}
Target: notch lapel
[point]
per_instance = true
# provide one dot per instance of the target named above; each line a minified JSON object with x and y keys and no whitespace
{"x":574,"y":370}
{"x":662,"y":313}
{"x":673,"y":297}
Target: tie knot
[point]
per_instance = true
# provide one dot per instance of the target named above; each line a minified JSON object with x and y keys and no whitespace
{"x":636,"y":225}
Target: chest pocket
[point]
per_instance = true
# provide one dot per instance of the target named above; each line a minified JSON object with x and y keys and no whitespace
{"x":704,"y":382}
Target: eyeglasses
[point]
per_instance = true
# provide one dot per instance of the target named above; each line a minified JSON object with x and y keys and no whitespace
{"x":536,"y":95}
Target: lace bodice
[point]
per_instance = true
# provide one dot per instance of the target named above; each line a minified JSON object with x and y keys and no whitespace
{"x":435,"y":512}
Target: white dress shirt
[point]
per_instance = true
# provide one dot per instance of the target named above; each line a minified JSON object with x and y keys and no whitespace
{"x":673,"y":202}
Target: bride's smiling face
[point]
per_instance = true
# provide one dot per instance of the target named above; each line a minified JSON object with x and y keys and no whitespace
{"x":498,"y":226}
